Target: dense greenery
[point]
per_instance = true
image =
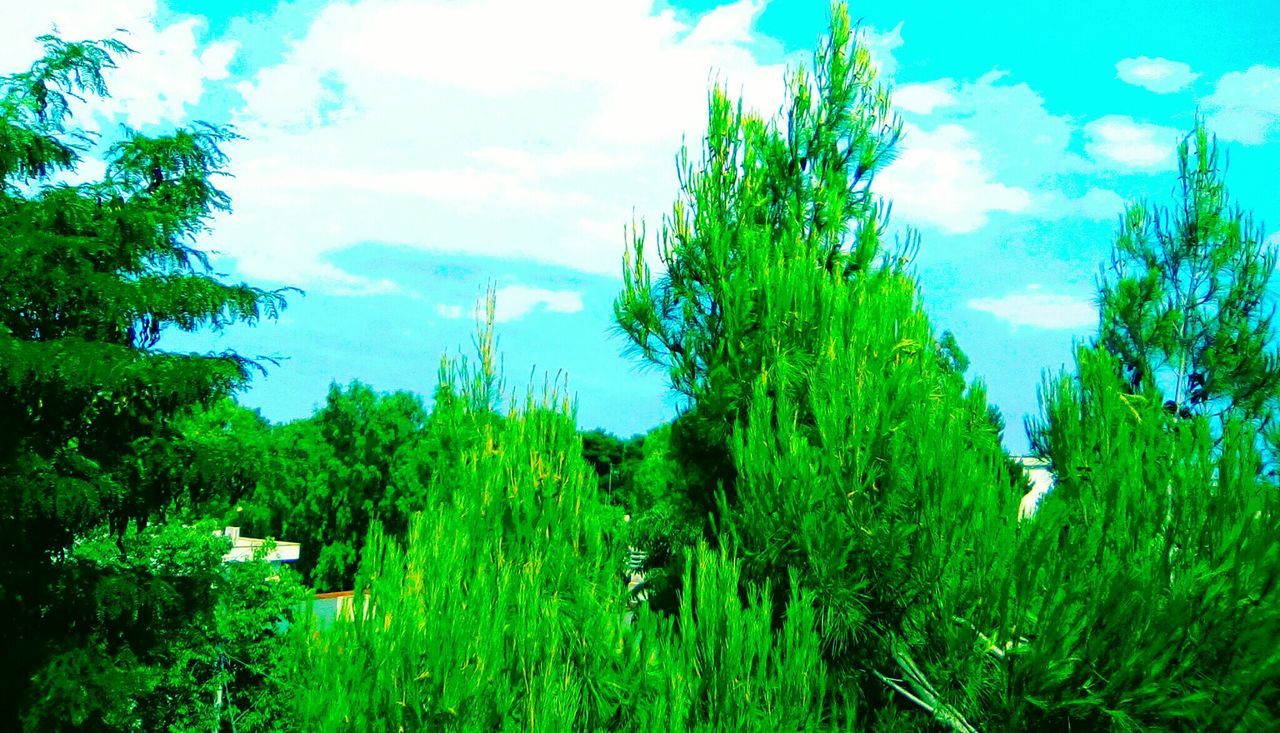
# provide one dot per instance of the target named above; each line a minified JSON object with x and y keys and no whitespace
{"x":826,"y":537}
{"x":91,"y":276}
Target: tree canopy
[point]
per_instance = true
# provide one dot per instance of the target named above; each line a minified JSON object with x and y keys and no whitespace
{"x":92,"y":274}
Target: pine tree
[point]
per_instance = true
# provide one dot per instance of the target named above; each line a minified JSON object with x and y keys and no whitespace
{"x":1147,"y":596}
{"x":1186,"y":301}
{"x":841,"y":451}
{"x":762,"y":195}
{"x":91,"y":276}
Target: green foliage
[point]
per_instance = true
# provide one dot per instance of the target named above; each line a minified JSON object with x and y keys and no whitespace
{"x":850,"y":458}
{"x":1149,"y":591}
{"x":161,"y":635}
{"x":502,"y":606}
{"x":1186,"y":302}
{"x":91,"y":275}
{"x":720,"y":664}
{"x":762,"y":197}
{"x":325,"y":479}
{"x":615,"y":461}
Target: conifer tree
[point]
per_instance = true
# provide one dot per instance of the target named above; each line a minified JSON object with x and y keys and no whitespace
{"x":1148,"y":590}
{"x":762,"y":194}
{"x":1147,"y":596}
{"x":1185,"y":301}
{"x":92,"y":274}
{"x":854,"y":461}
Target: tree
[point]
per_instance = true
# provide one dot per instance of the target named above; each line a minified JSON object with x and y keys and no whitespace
{"x":91,"y":276}
{"x":829,"y":430}
{"x":1147,"y":595}
{"x":759,"y":198}
{"x":208,"y":633}
{"x":1186,"y":303}
{"x":1148,"y":590}
{"x":358,"y":460}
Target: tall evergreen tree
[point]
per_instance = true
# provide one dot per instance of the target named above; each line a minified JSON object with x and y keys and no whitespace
{"x":762,"y":195}
{"x":91,"y":276}
{"x":848,"y":457}
{"x":1148,"y":590}
{"x":1185,"y":300}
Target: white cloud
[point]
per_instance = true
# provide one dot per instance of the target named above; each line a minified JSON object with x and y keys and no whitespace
{"x":1032,"y":307}
{"x":385,"y":122}
{"x":882,"y":45}
{"x":1120,"y":142}
{"x":1159,"y":75}
{"x":1245,"y":105}
{"x":450,"y":311}
{"x":156,"y":85}
{"x":940,"y":179}
{"x":988,"y":145}
{"x":923,"y":99}
{"x":514,"y":302}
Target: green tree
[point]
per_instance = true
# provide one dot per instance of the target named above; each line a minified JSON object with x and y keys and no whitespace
{"x":91,"y":276}
{"x":615,"y":461}
{"x":759,"y":198}
{"x":1147,"y":590}
{"x":1147,"y":593}
{"x":841,"y":448}
{"x":171,"y":638}
{"x":361,"y":458}
{"x":1185,"y":301}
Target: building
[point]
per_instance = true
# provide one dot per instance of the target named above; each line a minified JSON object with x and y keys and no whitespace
{"x":243,"y":548}
{"x":1041,"y":478}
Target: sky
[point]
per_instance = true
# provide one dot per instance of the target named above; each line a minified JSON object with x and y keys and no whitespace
{"x":400,"y":156}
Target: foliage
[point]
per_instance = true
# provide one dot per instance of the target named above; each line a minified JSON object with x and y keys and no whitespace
{"x":860,"y":465}
{"x":1149,"y":591}
{"x":504,"y":607}
{"x":721,"y":663}
{"x":615,"y":461}
{"x":162,"y":633}
{"x":91,"y":276}
{"x":761,"y":198}
{"x":881,"y":486}
{"x":1186,"y":302}
{"x":504,"y":601}
{"x":325,"y":479}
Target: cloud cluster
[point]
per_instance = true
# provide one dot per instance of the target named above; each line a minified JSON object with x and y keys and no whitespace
{"x":450,"y":127}
{"x":1122,"y":143}
{"x":976,"y":148}
{"x":1245,"y":105}
{"x":1159,"y":75}
{"x":514,"y":302}
{"x":940,"y":179}
{"x":1033,"y":307}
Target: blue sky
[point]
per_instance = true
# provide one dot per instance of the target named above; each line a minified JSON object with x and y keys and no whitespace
{"x":401,"y":154}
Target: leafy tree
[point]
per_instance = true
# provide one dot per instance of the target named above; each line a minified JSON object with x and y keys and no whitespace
{"x":615,"y":461}
{"x":91,"y":276}
{"x":191,"y":642}
{"x":358,"y":460}
{"x":1186,"y":300}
